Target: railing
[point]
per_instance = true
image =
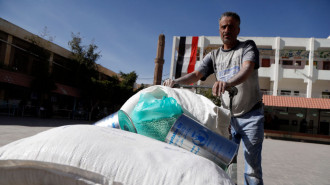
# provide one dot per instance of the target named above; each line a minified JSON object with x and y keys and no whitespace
{"x":267,"y":92}
{"x":9,"y":108}
{"x":292,"y":94}
{"x":325,"y":96}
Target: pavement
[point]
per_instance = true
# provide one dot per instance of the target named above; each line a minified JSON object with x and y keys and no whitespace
{"x":283,"y":162}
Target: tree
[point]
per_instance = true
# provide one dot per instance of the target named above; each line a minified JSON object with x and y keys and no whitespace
{"x":126,"y":86}
{"x":112,"y":92}
{"x":84,"y":55}
{"x":208,"y":94}
{"x":86,"y":71}
{"x":129,"y":79}
{"x":45,"y":34}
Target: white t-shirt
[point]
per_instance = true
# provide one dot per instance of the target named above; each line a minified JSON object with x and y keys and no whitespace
{"x":226,"y":64}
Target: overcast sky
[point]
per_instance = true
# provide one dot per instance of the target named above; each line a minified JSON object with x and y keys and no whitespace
{"x":126,"y":31}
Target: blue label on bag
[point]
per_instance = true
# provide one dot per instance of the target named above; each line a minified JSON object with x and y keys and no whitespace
{"x":190,"y":135}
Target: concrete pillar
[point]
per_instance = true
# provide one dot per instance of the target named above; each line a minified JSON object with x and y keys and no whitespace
{"x":277,"y":65}
{"x":173,"y":62}
{"x":201,"y":53}
{"x":159,"y":60}
{"x":8,"y":50}
{"x":310,"y":68}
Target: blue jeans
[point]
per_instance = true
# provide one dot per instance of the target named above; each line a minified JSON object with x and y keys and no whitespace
{"x":250,"y":128}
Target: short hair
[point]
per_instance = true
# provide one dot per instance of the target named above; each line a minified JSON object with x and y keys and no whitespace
{"x":233,"y":15}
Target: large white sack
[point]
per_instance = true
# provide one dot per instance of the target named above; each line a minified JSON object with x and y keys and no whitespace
{"x":120,"y":156}
{"x":31,"y":172}
{"x":196,"y":106}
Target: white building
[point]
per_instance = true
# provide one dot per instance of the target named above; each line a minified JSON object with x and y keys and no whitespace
{"x":294,"y":76}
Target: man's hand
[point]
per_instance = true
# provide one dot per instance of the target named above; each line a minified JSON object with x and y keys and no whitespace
{"x":169,"y":83}
{"x":219,"y":88}
{"x":184,"y":80}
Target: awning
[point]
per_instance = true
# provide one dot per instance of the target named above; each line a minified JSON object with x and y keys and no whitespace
{"x":25,"y":81}
{"x":298,"y":102}
{"x":15,"y":78}
{"x":67,"y":90}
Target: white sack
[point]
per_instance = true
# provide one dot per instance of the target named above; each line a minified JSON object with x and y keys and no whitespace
{"x":120,"y":156}
{"x":28,"y":172}
{"x":194,"y":105}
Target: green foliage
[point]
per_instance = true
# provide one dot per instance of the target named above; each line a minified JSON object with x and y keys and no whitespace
{"x":208,"y":93}
{"x":84,"y":59}
{"x":85,"y":55}
{"x":129,"y":79}
{"x":112,"y":92}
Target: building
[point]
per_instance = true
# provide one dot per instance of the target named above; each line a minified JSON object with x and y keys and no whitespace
{"x":294,"y":76}
{"x":20,"y":65}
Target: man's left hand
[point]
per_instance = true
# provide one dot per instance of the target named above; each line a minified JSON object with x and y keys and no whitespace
{"x":219,"y":88}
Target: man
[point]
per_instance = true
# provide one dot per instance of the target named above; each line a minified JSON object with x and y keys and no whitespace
{"x":236,"y":64}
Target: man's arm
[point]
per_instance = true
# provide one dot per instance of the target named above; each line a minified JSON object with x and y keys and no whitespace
{"x":185,"y":80}
{"x":219,"y":87}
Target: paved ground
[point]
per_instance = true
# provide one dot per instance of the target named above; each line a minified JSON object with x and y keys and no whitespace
{"x":284,"y":162}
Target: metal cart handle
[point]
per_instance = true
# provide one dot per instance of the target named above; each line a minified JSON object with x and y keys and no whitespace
{"x":232,"y":91}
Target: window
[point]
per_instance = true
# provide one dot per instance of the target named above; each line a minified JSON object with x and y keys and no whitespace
{"x":265,"y":62}
{"x":296,"y":93}
{"x":297,"y":63}
{"x":285,"y":92}
{"x":21,"y":43}
{"x":63,"y":75}
{"x":326,"y":65}
{"x":198,"y":54}
{"x":326,"y":95}
{"x":2,"y":52}
{"x":3,"y":45}
{"x":20,"y":60}
{"x":266,"y":92}
{"x":287,"y":62}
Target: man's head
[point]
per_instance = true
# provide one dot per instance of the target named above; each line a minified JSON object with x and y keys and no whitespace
{"x":229,"y":28}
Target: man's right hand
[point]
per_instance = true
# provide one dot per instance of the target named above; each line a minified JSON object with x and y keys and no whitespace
{"x":184,"y":80}
{"x":169,"y":83}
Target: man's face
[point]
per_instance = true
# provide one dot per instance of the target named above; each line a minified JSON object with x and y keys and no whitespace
{"x":229,"y":30}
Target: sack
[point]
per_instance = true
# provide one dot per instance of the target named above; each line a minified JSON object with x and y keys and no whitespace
{"x":113,"y":156}
{"x":193,"y":105}
{"x":154,"y":117}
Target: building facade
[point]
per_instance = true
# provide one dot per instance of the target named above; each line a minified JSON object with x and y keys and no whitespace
{"x":294,"y":76}
{"x":20,"y":65}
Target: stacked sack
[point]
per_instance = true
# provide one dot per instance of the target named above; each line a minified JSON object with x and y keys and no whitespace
{"x":154,"y":117}
{"x":193,"y":105}
{"x":85,"y":154}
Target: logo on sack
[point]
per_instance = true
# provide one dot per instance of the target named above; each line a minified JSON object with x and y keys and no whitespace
{"x":200,"y":138}
{"x":175,"y":132}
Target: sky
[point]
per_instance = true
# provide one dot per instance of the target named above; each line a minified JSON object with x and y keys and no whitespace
{"x":126,"y":31}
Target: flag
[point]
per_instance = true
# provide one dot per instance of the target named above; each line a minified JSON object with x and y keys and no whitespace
{"x":187,"y":53}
